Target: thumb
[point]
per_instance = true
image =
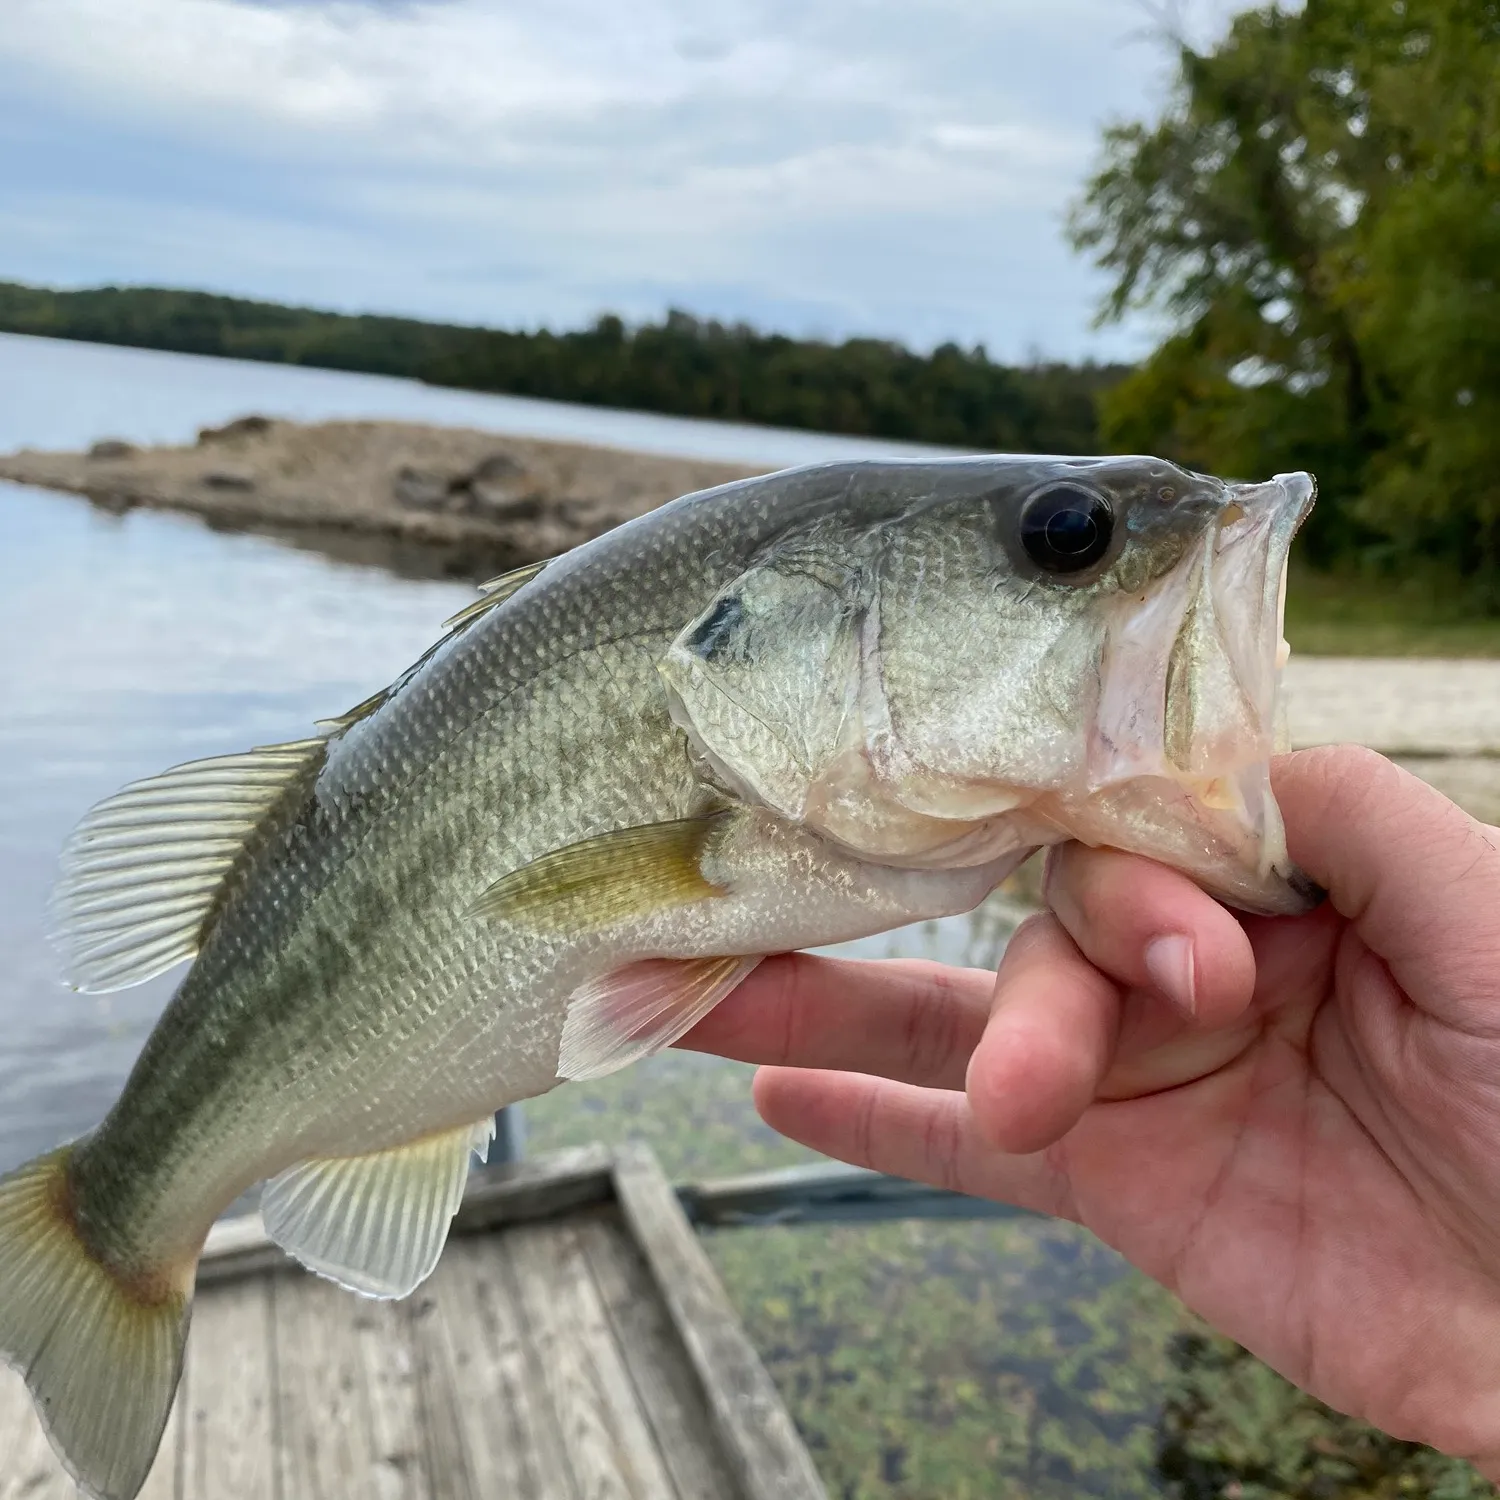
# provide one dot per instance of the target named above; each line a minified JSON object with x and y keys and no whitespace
{"x":1416,"y":875}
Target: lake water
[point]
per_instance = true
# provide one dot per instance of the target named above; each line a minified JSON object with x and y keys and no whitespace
{"x":129,"y":643}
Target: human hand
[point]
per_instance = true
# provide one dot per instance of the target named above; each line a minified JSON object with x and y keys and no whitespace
{"x":1293,"y":1123}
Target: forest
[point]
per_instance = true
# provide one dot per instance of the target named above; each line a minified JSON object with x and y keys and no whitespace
{"x":683,"y":365}
{"x":1317,"y":212}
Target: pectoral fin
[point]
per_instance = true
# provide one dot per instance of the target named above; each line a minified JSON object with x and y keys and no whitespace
{"x":639,"y":1009}
{"x":375,"y":1224}
{"x":609,"y":879}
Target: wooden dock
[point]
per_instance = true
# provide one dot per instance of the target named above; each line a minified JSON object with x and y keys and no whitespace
{"x":574,"y":1344}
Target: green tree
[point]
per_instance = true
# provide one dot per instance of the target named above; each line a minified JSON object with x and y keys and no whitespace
{"x":1317,"y":210}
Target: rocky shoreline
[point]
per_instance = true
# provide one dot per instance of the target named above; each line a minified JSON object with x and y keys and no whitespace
{"x":490,"y":499}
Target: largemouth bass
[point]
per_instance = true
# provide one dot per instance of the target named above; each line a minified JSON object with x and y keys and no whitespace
{"x":786,"y":712}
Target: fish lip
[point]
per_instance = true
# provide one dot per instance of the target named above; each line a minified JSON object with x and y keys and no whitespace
{"x":1271,"y":514}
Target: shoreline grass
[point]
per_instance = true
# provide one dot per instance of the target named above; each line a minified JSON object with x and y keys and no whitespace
{"x":1351,"y":614}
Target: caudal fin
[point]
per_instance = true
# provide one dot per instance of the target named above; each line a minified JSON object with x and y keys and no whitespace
{"x":101,"y":1354}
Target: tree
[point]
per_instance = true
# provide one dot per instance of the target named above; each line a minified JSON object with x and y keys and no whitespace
{"x":1318,"y":213}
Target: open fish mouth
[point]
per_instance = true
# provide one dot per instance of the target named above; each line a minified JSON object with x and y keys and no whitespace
{"x":1191,"y":707}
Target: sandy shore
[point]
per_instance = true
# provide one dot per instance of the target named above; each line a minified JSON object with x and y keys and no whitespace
{"x":511,"y":499}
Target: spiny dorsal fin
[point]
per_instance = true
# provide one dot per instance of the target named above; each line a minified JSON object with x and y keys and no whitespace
{"x":634,"y":1011}
{"x":375,"y":1224}
{"x":493,"y":593}
{"x":142,"y":871}
{"x":496,"y":591}
{"x":599,"y":881}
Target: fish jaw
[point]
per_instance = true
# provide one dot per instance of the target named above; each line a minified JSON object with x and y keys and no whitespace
{"x":1191,"y":712}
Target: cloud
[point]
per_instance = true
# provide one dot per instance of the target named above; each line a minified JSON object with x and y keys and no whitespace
{"x":878,"y":166}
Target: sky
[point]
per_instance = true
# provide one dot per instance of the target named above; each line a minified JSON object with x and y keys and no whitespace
{"x":898,"y":168}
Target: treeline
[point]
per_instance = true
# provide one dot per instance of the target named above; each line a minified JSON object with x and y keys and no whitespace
{"x":684,"y":365}
{"x":1317,"y":207}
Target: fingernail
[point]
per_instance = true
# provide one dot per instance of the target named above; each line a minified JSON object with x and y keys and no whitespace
{"x":1169,"y":962}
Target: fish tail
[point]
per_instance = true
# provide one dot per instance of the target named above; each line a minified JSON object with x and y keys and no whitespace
{"x":100,"y":1350}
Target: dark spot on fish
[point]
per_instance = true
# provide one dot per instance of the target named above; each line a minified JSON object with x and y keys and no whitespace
{"x":713,"y":635}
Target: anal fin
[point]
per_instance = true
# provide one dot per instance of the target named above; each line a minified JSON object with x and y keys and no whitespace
{"x":375,"y":1224}
{"x":631,"y":1012}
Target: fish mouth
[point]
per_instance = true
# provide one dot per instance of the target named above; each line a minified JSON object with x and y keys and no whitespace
{"x":1191,"y":708}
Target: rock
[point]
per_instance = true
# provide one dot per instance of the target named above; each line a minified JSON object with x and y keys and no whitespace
{"x":500,"y":489}
{"x":228,"y":479}
{"x":251,"y":426}
{"x":427,"y":489}
{"x":113,"y":448}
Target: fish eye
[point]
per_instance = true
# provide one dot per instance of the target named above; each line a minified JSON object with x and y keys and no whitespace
{"x":1066,"y":528}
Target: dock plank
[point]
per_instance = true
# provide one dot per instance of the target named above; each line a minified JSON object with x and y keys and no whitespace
{"x":444,"y":1449}
{"x":384,"y":1338}
{"x":325,"y":1441}
{"x":669,"y":1392}
{"x":228,"y":1437}
{"x":574,"y":1344}
{"x":610,"y":1447}
{"x":511,"y":1439}
{"x":759,"y":1438}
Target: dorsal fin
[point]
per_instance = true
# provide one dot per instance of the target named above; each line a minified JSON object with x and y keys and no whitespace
{"x":496,"y":592}
{"x":141,"y":873}
{"x":491,"y":594}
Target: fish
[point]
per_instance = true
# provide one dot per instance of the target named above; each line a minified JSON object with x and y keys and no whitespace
{"x":785,"y":712}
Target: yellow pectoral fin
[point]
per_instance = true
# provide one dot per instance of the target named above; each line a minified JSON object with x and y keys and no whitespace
{"x":600,"y":881}
{"x":375,"y":1224}
{"x":639,"y":1009}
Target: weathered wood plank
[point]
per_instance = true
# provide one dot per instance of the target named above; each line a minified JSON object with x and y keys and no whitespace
{"x":228,"y":1440}
{"x":759,"y":1437}
{"x":668,"y":1390}
{"x":444,"y":1450}
{"x":383,"y":1336}
{"x":539,"y":1187}
{"x":609,"y":1443}
{"x":324,"y":1440}
{"x":510,"y":1434}
{"x":829,"y":1193}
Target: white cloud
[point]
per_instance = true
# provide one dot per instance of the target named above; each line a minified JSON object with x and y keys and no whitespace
{"x":877,"y":163}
